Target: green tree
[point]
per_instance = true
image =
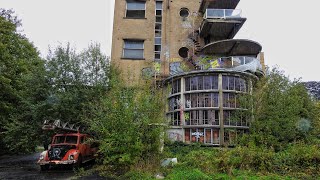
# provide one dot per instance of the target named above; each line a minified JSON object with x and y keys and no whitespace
{"x":22,"y":87}
{"x":129,"y":124}
{"x":77,"y":81}
{"x":283,"y":111}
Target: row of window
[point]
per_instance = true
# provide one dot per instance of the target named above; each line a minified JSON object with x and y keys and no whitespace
{"x":201,"y":83}
{"x":202,"y":135}
{"x":211,"y":83}
{"x":208,"y":117}
{"x":234,"y":83}
{"x":196,"y":101}
{"x":229,"y":119}
{"x":202,"y":100}
{"x":212,"y":136}
{"x":158,"y":30}
{"x":202,"y":117}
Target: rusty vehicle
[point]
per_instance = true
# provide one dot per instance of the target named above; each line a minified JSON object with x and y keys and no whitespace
{"x":68,"y":148}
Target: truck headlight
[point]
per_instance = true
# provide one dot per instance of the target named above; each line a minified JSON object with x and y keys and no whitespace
{"x":71,"y":157}
{"x":41,"y":157}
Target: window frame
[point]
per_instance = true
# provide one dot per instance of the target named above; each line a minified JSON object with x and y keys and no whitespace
{"x":137,"y":49}
{"x":133,"y":1}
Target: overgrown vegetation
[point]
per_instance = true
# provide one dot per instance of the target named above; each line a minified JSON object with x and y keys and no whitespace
{"x":283,"y":142}
{"x":22,"y":87}
{"x":129,"y":124}
{"x":62,"y":86}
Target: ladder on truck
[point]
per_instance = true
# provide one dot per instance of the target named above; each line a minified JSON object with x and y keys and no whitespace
{"x":59,"y":125}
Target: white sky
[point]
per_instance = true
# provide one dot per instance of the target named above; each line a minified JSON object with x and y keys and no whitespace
{"x":288,"y":30}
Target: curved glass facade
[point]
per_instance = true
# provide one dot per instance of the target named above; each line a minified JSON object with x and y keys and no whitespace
{"x":202,"y":108}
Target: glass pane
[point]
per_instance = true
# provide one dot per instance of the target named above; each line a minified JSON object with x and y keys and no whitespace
{"x":208,"y":136}
{"x":158,"y":26}
{"x":157,"y":41}
{"x":157,"y":56}
{"x":207,"y":82}
{"x":135,"y":13}
{"x":231,"y":83}
{"x":159,"y":19}
{"x":215,"y":136}
{"x":200,"y":83}
{"x":157,"y":33}
{"x":72,"y":139}
{"x":128,"y":53}
{"x":225,"y":82}
{"x":136,"y":5}
{"x":157,"y":48}
{"x":158,"y":12}
{"x":214,"y":81}
{"x":187,"y":84}
{"x":133,"y":44}
{"x":158,"y":5}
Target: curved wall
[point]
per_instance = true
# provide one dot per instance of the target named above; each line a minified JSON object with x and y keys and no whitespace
{"x":201,"y":106}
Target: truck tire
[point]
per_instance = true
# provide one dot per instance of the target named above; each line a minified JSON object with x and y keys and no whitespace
{"x":79,"y":163}
{"x":44,"y":167}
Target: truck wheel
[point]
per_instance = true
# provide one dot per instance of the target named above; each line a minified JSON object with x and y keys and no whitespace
{"x":44,"y":167}
{"x":79,"y":163}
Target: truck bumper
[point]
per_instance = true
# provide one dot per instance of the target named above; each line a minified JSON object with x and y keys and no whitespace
{"x":56,"y":162}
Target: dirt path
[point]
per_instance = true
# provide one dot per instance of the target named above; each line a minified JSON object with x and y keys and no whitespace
{"x":25,"y":167}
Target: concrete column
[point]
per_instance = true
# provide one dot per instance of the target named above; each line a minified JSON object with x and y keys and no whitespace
{"x":221,"y":120}
{"x":182,"y":106}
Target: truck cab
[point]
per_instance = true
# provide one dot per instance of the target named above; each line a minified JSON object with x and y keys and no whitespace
{"x":68,"y":149}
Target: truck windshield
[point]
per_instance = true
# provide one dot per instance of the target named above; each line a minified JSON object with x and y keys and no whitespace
{"x":66,"y":139}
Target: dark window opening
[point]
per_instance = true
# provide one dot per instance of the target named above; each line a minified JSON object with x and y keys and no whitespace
{"x":183,"y":52}
{"x":184,"y":12}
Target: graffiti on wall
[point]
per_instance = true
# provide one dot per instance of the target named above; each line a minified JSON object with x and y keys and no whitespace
{"x":174,"y":136}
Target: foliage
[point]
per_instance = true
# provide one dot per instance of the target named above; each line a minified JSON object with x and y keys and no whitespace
{"x":283,"y":112}
{"x":129,"y":125}
{"x":77,"y":80}
{"x":297,"y":161}
{"x":22,"y":87}
{"x":187,"y":174}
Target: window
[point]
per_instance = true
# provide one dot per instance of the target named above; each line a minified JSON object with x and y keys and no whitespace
{"x":157,"y":30}
{"x":183,"y":52}
{"x":184,"y":12}
{"x":136,"y":9}
{"x":133,"y":49}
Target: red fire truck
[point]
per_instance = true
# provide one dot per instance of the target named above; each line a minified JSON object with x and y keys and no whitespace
{"x":68,"y":148}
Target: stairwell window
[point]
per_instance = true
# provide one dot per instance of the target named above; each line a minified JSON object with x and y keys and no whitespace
{"x":136,"y":9}
{"x":133,"y":49}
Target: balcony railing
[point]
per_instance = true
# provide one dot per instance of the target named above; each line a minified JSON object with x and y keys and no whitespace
{"x":222,"y":13}
{"x":239,"y":63}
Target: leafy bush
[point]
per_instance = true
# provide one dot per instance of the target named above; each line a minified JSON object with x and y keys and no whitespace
{"x":137,"y":175}
{"x":129,"y":124}
{"x":187,"y":174}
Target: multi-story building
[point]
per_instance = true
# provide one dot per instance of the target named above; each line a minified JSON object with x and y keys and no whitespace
{"x":188,"y":45}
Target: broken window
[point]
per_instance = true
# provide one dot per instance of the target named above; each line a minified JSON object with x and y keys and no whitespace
{"x":133,"y":49}
{"x":135,"y":9}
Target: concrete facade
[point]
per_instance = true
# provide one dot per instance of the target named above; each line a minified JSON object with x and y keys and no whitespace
{"x":200,"y":66}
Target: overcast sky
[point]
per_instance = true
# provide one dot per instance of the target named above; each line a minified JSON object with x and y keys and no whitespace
{"x":288,"y":30}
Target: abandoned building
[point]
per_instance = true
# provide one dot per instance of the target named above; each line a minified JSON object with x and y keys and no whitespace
{"x":188,"y":45}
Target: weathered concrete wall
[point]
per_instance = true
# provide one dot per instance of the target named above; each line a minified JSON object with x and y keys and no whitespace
{"x":175,"y":134}
{"x":175,"y":31}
